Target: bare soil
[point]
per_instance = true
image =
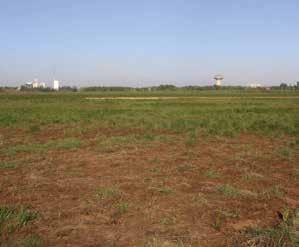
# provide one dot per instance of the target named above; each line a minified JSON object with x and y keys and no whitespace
{"x":164,"y":194}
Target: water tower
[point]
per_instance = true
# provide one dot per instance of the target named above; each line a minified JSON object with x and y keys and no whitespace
{"x":218,"y":79}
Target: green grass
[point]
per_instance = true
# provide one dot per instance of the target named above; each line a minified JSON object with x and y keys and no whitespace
{"x":62,"y":144}
{"x":12,"y":218}
{"x":214,"y":116}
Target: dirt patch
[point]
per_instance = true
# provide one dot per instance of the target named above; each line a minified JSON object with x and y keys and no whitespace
{"x":148,"y":194}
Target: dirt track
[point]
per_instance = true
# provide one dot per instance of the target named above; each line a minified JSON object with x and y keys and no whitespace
{"x":197,"y":97}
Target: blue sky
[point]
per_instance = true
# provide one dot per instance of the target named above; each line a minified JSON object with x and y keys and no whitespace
{"x":137,"y":42}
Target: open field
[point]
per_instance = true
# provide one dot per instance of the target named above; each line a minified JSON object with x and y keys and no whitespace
{"x":198,"y":169}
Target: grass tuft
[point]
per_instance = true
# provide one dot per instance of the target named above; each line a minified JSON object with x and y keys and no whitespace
{"x":12,"y":218}
{"x":7,"y":165}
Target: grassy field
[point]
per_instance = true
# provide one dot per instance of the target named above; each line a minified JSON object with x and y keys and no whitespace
{"x":206,"y":168}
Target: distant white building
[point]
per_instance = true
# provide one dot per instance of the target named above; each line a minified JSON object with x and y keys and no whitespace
{"x":56,"y":85}
{"x":35,"y":84}
{"x":255,"y":85}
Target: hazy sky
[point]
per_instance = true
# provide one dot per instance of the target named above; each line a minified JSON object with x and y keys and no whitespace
{"x":131,"y":42}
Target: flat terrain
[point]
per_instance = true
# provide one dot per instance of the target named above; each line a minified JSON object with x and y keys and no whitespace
{"x":197,"y":169}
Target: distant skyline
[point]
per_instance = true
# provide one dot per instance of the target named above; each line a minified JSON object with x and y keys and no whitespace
{"x":144,"y":43}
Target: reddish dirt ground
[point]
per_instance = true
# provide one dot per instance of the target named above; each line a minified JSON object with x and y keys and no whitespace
{"x":164,"y":192}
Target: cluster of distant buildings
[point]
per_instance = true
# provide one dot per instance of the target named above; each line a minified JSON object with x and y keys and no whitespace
{"x":35,"y":84}
{"x":219,"y":78}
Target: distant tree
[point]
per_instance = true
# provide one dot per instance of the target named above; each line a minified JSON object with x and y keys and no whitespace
{"x":283,"y":86}
{"x":68,"y":89}
{"x":105,"y":89}
{"x":166,"y":87}
{"x":25,"y":88}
